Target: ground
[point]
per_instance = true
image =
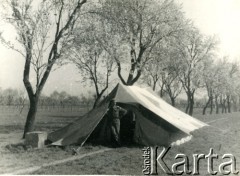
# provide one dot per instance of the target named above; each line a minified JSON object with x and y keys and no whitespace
{"x":222,"y":135}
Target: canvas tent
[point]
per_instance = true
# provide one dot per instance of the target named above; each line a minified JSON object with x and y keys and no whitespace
{"x":155,"y":120}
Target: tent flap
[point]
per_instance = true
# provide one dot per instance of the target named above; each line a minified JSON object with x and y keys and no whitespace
{"x":78,"y":131}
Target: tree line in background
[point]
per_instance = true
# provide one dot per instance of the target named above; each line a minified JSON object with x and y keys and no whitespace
{"x":149,"y":42}
{"x":17,"y":99}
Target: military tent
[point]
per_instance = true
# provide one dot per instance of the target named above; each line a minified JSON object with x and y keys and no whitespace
{"x":155,"y":121}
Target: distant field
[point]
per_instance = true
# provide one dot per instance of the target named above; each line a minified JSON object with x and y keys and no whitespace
{"x":223,"y":136}
{"x":45,"y":120}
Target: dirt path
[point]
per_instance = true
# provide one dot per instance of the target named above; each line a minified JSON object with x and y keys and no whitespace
{"x":35,"y":168}
{"x":14,"y":159}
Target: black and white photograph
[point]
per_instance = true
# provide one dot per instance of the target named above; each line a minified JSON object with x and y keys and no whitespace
{"x":120,"y":87}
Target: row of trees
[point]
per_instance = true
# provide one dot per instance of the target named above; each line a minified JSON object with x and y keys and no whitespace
{"x":183,"y":64}
{"x":221,"y":80}
{"x":11,"y":97}
{"x":191,"y":64}
{"x":18,"y":98}
{"x":216,"y":81}
{"x":149,"y":41}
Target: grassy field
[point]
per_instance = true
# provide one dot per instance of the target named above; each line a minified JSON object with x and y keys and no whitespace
{"x":223,"y":136}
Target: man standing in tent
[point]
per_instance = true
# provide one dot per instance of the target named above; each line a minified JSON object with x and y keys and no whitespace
{"x":115,"y":113}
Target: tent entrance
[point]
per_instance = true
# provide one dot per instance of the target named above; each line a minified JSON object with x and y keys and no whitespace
{"x":102,"y":133}
{"x":127,"y":128}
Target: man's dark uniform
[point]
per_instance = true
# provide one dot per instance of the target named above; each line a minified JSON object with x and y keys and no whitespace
{"x":115,"y":113}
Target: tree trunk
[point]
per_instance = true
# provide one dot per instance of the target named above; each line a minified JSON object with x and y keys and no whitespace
{"x":29,"y":125}
{"x":162,"y":90}
{"x":228,"y":104}
{"x":173,"y":101}
{"x":235,"y":105}
{"x":216,"y":104}
{"x":154,"y":85}
{"x":211,"y":105}
{"x":191,"y":106}
{"x":131,"y":79}
{"x":224,"y":108}
{"x":206,"y":105}
{"x":96,"y":101}
{"x":222,"y":102}
{"x":186,"y":110}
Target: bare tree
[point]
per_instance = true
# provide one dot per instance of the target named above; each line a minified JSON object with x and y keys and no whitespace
{"x":160,"y":70}
{"x":138,"y":26}
{"x":192,"y":49}
{"x":233,"y":77}
{"x":153,"y":72}
{"x":220,"y":82}
{"x":227,"y":83}
{"x":97,"y":69}
{"x":43,"y":30}
{"x":88,"y":54}
{"x":209,"y":80}
{"x":173,"y":87}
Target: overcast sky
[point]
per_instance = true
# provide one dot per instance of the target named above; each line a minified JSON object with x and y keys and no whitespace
{"x":220,"y":17}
